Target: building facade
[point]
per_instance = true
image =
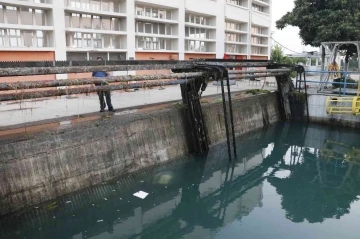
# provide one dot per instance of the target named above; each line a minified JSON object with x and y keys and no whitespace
{"x":134,"y":29}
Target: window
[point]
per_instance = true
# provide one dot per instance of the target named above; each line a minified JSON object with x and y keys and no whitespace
{"x":87,"y":40}
{"x":11,"y":15}
{"x":2,"y":37}
{"x":139,"y":11}
{"x":15,"y":37}
{"x":97,"y":40}
{"x":40,"y":39}
{"x":26,"y":16}
{"x":256,"y":7}
{"x":75,"y":20}
{"x":201,"y":20}
{"x":77,"y":40}
{"x":85,"y":21}
{"x":96,"y":22}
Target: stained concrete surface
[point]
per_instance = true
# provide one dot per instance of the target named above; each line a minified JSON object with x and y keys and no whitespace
{"x":14,"y":113}
{"x":54,"y":163}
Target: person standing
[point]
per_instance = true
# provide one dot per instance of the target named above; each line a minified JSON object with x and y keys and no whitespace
{"x":103,"y":93}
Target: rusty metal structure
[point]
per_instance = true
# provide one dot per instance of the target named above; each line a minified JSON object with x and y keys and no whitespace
{"x":192,"y":76}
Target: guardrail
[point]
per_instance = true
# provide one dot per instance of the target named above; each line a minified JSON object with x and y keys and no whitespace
{"x":323,"y":84}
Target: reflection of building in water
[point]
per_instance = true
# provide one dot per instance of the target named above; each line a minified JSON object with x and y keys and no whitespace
{"x":206,"y":195}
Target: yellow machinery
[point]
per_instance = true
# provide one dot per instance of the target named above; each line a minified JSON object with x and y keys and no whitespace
{"x":344,"y":105}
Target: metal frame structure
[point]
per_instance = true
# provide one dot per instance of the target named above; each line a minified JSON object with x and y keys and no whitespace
{"x":331,"y":50}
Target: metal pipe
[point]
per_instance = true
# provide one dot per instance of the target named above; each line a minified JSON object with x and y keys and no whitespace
{"x":255,"y":76}
{"x":86,"y":81}
{"x":25,"y":71}
{"x":236,"y":72}
{"x":81,"y":90}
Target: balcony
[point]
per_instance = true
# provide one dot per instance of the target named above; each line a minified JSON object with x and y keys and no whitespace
{"x":38,"y":4}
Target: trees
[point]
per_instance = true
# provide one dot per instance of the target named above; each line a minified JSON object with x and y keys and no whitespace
{"x":325,"y":21}
{"x":277,"y":55}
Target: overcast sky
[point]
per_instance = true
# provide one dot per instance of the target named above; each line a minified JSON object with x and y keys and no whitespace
{"x":289,"y":36}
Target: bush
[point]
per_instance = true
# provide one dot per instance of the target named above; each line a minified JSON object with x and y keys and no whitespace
{"x":342,"y":80}
{"x":257,"y":91}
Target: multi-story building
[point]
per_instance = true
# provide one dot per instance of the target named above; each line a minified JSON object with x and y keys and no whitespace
{"x":134,"y":29}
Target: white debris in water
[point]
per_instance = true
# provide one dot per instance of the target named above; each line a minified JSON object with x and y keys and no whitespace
{"x":114,"y":190}
{"x":68,"y":202}
{"x":100,"y":220}
{"x":141,"y":194}
{"x":118,"y":210}
{"x":120,"y":198}
{"x":165,"y":186}
{"x":36,"y":207}
{"x":141,"y":181}
{"x":54,"y":217}
{"x":105,"y":199}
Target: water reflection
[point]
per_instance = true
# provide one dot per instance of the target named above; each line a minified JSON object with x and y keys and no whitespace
{"x":314,"y":169}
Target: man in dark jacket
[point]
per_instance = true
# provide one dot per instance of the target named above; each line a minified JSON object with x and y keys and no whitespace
{"x":103,"y":93}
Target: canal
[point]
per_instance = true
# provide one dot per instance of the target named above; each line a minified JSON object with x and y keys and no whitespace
{"x":288,"y":181}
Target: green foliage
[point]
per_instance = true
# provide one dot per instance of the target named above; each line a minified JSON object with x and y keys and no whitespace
{"x":349,"y":80}
{"x":257,"y":91}
{"x":277,"y":55}
{"x":325,"y":21}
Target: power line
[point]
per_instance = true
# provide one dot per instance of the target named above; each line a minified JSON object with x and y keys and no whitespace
{"x":284,"y":46}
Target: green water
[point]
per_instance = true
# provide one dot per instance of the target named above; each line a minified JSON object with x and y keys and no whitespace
{"x":288,"y":181}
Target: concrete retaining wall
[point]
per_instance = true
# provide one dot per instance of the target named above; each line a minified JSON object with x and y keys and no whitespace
{"x":56,"y":163}
{"x":317,"y":113}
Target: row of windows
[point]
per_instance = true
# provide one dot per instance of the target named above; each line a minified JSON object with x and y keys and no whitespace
{"x":199,"y":46}
{"x":153,"y":43}
{"x":153,"y":12}
{"x":259,"y":40}
{"x":22,"y":38}
{"x":22,"y":15}
{"x":233,"y":37}
{"x":153,"y":28}
{"x":81,"y":56}
{"x":95,"y":5}
{"x":92,"y":40}
{"x":243,"y":3}
{"x":196,"y":19}
{"x":200,"y":33}
{"x":86,"y":21}
{"x":234,"y":48}
{"x":236,"y":26}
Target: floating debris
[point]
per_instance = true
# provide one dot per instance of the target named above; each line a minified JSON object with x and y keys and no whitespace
{"x":105,"y":199}
{"x":141,"y":194}
{"x":100,"y":220}
{"x":67,"y":202}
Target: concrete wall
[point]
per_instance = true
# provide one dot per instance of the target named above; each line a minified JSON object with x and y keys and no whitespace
{"x":52,"y":164}
{"x":317,"y":113}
